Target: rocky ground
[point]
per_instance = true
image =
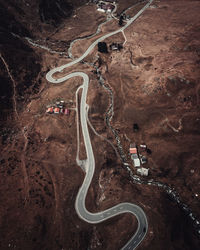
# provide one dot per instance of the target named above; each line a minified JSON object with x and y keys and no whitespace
{"x":155,"y":83}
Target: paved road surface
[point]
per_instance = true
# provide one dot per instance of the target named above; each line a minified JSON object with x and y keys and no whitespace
{"x":90,"y":162}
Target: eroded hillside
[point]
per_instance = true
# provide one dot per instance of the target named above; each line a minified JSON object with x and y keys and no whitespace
{"x":153,"y":81}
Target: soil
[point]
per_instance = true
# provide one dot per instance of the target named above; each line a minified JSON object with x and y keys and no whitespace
{"x":155,"y":82}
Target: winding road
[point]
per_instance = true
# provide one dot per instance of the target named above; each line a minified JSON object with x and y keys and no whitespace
{"x":90,"y":162}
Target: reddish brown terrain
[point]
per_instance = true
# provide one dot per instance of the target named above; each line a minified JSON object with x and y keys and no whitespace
{"x":155,"y":83}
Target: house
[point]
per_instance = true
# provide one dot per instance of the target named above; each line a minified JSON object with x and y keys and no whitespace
{"x":116,"y":46}
{"x":143,"y":171}
{"x":133,"y":149}
{"x":101,"y":10}
{"x":60,"y":104}
{"x":143,"y":146}
{"x":102,"y":7}
{"x":50,"y":110}
{"x":113,"y":46}
{"x":66,"y":112}
{"x":134,"y":155}
{"x":136,"y":160}
{"x":56,"y":110}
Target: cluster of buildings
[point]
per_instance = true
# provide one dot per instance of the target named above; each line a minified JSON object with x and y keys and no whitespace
{"x":105,"y":6}
{"x":138,"y":159}
{"x":116,"y":46}
{"x":58,"y":108}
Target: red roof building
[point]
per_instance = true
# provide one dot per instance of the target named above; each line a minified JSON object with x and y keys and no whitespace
{"x":133,"y":149}
{"x":50,"y":110}
{"x":56,"y":110}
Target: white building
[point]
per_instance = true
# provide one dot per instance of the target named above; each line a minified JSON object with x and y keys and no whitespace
{"x":136,"y":160}
{"x":101,"y":10}
{"x":143,"y":171}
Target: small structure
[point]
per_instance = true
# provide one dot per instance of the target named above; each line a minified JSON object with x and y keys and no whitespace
{"x":100,"y":9}
{"x":136,"y":160}
{"x":133,"y":149}
{"x":56,"y":110}
{"x":50,"y":110}
{"x":143,"y":146}
{"x":134,"y":155}
{"x":66,"y":111}
{"x":143,"y":159}
{"x":143,"y":171}
{"x":105,"y":7}
{"x":115,"y":46}
{"x":110,"y":8}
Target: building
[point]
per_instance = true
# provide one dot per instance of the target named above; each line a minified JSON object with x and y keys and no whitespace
{"x":143,"y":146}
{"x":101,"y":9}
{"x":134,"y":155}
{"x":110,"y":8}
{"x":116,"y":46}
{"x":56,"y":110}
{"x":133,"y":149}
{"x":50,"y":110}
{"x":66,"y":111}
{"x":143,"y":171}
{"x":136,"y":160}
{"x":105,"y":7}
